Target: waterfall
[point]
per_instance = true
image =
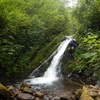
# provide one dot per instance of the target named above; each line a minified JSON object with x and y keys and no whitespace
{"x":53,"y":70}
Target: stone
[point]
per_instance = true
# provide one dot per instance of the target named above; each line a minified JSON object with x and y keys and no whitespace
{"x":37,"y":98}
{"x":85,"y":94}
{"x":16,"y":92}
{"x":39,"y":94}
{"x":4,"y":92}
{"x":27,"y":90}
{"x":25,"y":96}
{"x":55,"y":98}
{"x":24,"y":85}
{"x":11,"y":88}
{"x":64,"y":97}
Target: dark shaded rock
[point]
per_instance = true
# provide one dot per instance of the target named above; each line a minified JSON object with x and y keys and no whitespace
{"x":78,"y":93}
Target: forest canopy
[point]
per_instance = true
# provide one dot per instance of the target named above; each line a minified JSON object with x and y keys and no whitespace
{"x":30,"y":30}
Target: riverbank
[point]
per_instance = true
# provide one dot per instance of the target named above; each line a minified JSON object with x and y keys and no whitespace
{"x":26,"y":92}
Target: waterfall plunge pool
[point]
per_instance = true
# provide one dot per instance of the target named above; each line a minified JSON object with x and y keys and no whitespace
{"x":50,"y":82}
{"x":57,"y":87}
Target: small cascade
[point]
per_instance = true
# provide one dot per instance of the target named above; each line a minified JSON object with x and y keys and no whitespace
{"x":52,"y":73}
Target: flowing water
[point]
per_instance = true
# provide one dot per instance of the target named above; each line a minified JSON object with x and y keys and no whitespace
{"x":51,"y":81}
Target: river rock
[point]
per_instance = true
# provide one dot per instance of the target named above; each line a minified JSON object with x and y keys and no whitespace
{"x":47,"y":97}
{"x":94,"y":91}
{"x":64,"y":97}
{"x":26,"y":88}
{"x":97,"y":98}
{"x":39,"y":94}
{"x":25,"y":96}
{"x":24,"y":85}
{"x":10,"y":88}
{"x":5,"y":93}
{"x":56,"y":98}
{"x":85,"y":94}
{"x":37,"y":98}
{"x":16,"y":91}
{"x":69,"y":95}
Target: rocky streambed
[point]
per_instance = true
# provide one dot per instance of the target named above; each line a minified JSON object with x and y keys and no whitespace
{"x":26,"y":92}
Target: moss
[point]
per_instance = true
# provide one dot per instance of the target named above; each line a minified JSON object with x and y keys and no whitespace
{"x":46,"y":51}
{"x":4,"y":92}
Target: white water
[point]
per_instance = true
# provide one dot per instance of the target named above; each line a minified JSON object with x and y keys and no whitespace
{"x":51,"y":75}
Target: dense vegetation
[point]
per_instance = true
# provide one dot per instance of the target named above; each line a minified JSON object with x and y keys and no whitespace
{"x":30,"y":30}
{"x":26,"y":27}
{"x":86,"y":26}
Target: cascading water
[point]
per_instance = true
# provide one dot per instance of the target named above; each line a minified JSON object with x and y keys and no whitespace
{"x":51,"y":75}
{"x":52,"y":71}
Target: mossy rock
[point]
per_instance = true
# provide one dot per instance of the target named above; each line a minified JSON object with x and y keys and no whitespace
{"x":5,"y":93}
{"x":24,"y":85}
{"x":78,"y":93}
{"x":85,"y":94}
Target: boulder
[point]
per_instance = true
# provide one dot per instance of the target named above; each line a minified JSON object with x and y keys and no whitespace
{"x":85,"y":94}
{"x":25,"y":96}
{"x":26,"y":88}
{"x":5,"y":93}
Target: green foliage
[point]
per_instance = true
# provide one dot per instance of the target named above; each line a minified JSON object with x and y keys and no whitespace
{"x":30,"y":30}
{"x":44,"y":53}
{"x":26,"y":27}
{"x":87,"y":54}
{"x":84,"y":24}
